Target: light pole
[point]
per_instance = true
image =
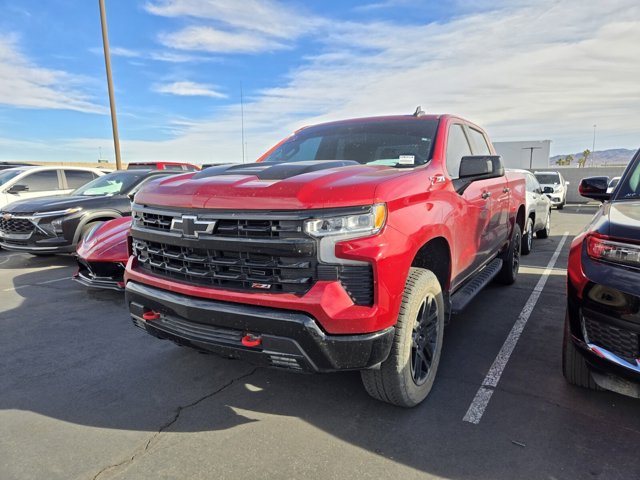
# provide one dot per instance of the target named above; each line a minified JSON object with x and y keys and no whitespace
{"x":112,"y":98}
{"x":593,"y":147}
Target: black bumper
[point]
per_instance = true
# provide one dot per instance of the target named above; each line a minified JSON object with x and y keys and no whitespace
{"x":290,"y":340}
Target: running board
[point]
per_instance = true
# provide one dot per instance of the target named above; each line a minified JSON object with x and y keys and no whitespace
{"x":463,"y":297}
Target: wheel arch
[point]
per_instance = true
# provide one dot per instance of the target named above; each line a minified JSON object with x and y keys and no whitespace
{"x":102,"y":216}
{"x":435,"y":255}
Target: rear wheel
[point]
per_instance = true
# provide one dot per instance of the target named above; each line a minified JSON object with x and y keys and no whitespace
{"x":574,"y":366}
{"x":511,"y":259}
{"x":527,"y":237}
{"x":405,"y":378}
{"x":546,"y":231}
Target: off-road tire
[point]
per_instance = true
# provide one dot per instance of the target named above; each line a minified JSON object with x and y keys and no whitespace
{"x":574,"y":366}
{"x":394,"y":382}
{"x":527,"y":238}
{"x":546,"y":231}
{"x":511,"y":259}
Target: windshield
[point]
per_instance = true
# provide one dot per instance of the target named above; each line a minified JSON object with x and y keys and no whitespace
{"x":116,"y":183}
{"x":391,"y":143}
{"x":630,"y":186}
{"x":8,"y":175}
{"x":548,"y":178}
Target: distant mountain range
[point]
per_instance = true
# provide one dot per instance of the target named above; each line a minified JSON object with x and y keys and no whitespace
{"x":614,"y":156}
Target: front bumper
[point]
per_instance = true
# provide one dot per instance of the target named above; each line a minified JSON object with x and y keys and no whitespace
{"x":102,"y":275}
{"x":288,"y":339}
{"x":555,"y":198}
{"x":604,"y":314}
{"x":49,"y":245}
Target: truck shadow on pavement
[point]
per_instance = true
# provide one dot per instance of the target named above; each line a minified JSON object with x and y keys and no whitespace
{"x":77,"y":358}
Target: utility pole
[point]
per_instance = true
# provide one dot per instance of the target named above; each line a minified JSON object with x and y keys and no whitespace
{"x":112,"y":98}
{"x":531,"y":149}
{"x":593,"y":147}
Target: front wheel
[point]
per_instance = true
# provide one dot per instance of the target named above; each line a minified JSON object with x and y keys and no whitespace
{"x":405,"y":378}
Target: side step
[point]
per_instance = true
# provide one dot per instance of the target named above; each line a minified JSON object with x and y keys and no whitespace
{"x":463,"y":297}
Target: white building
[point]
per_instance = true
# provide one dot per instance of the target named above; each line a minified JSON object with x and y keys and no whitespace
{"x":534,"y":154}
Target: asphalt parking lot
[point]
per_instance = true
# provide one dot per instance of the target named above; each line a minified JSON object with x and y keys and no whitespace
{"x":84,"y":394}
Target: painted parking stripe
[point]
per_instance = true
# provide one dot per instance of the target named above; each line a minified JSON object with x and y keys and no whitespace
{"x":13,"y":289}
{"x":483,"y":396}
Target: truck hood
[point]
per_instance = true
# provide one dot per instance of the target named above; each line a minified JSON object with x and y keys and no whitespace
{"x":54,"y":203}
{"x":284,"y":186}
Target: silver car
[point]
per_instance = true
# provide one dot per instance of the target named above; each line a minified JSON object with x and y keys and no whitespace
{"x":538,"y":212}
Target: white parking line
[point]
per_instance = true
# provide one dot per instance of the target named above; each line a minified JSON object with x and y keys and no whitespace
{"x":483,"y":396}
{"x":13,"y":289}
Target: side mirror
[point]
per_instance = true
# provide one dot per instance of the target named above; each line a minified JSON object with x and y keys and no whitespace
{"x":547,"y":190}
{"x":567,"y":183}
{"x":16,"y":189}
{"x":595,"y":188}
{"x":480,"y":167}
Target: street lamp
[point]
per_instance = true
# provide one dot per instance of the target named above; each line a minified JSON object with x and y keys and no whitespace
{"x":112,"y":98}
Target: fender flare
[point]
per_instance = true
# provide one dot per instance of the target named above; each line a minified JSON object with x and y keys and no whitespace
{"x":100,"y":214}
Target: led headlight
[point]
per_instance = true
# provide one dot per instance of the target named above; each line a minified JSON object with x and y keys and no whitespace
{"x":331,"y":230}
{"x":353,"y":226}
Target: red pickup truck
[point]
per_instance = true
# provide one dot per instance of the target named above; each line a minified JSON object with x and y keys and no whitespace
{"x":347,"y":247}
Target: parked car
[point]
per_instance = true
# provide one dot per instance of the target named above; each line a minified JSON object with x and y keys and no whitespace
{"x":56,"y":224}
{"x":554,"y":186}
{"x":185,"y":167}
{"x":29,"y":182}
{"x":613,"y":183}
{"x":5,"y":165}
{"x":601,"y":347}
{"x":102,"y":254}
{"x":538,"y":212}
{"x":347,"y":247}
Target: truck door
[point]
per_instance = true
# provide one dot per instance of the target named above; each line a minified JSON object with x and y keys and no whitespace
{"x":471,"y":227}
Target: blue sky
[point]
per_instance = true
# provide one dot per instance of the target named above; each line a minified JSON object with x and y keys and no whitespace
{"x":525,"y":70}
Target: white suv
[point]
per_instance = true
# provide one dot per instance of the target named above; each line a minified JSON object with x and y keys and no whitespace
{"x":30,"y":182}
{"x":554,"y":186}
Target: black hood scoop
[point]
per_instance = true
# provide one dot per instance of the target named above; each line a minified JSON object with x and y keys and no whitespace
{"x":274,"y":171}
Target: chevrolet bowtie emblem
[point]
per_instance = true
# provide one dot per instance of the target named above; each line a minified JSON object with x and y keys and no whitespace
{"x":7,"y":216}
{"x":191,"y":227}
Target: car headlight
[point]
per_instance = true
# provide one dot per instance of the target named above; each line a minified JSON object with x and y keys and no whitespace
{"x":352,"y":226}
{"x":613,"y":251}
{"x":331,"y":230}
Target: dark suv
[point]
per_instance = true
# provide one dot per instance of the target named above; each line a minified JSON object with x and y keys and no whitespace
{"x":55,"y":224}
{"x":602,"y":329}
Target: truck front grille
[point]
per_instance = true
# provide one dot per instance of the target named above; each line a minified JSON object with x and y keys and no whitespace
{"x":253,"y":254}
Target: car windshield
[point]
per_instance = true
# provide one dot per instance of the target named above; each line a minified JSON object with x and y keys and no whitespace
{"x":116,"y":183}
{"x":548,"y":178}
{"x":392,"y":143}
{"x":8,"y":175}
{"x":629,"y":188}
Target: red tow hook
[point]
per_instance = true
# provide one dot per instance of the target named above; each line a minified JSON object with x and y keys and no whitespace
{"x":151,"y":315}
{"x":251,"y":340}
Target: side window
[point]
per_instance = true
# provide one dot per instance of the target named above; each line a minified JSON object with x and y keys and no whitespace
{"x":44,"y":181}
{"x":480,"y":146}
{"x":77,"y":178}
{"x":457,"y":147}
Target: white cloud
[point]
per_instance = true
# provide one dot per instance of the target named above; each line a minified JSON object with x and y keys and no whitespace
{"x":24,"y":84}
{"x":190,"y":89}
{"x":209,"y":39}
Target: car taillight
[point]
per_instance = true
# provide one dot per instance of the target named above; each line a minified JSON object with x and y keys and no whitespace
{"x":613,"y":251}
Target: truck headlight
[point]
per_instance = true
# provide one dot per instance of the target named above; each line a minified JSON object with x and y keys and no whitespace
{"x":352,"y":226}
{"x":331,"y":230}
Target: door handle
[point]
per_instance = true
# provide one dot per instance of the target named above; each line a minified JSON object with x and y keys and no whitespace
{"x":486,"y":195}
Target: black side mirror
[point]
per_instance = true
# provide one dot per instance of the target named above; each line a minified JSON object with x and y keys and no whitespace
{"x":479,"y":167}
{"x":18,"y":189}
{"x":547,"y":190}
{"x":595,"y":188}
